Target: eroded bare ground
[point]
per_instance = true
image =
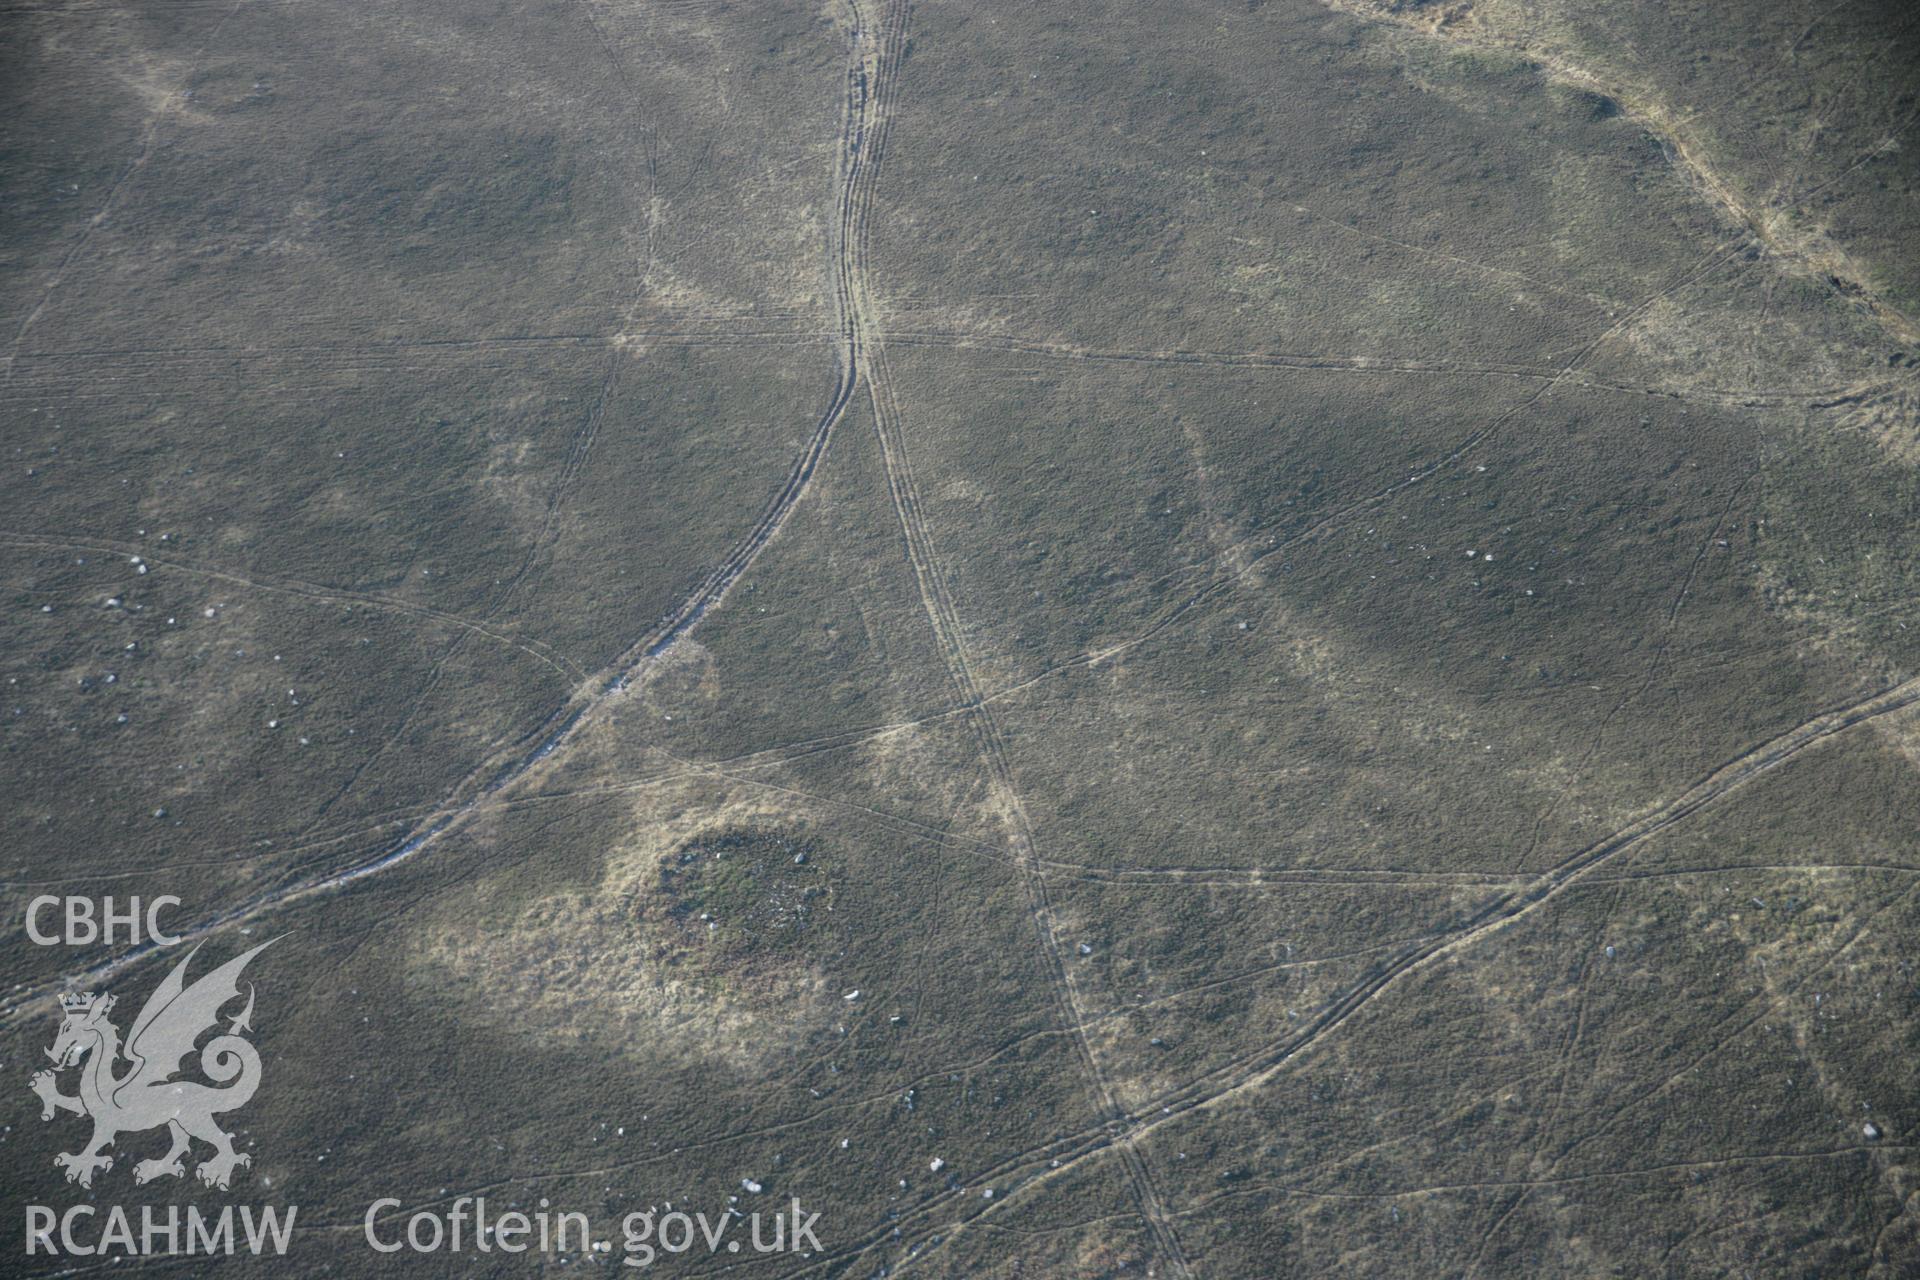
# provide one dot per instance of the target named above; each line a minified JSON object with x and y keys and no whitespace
{"x":1314,"y":604}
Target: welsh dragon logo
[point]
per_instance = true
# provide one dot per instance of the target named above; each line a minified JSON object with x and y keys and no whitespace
{"x":145,"y":1095}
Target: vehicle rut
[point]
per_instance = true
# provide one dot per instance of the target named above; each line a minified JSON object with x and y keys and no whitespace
{"x":523,"y":758}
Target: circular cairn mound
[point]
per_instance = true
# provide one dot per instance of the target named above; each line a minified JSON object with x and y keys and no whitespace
{"x":743,"y":892}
